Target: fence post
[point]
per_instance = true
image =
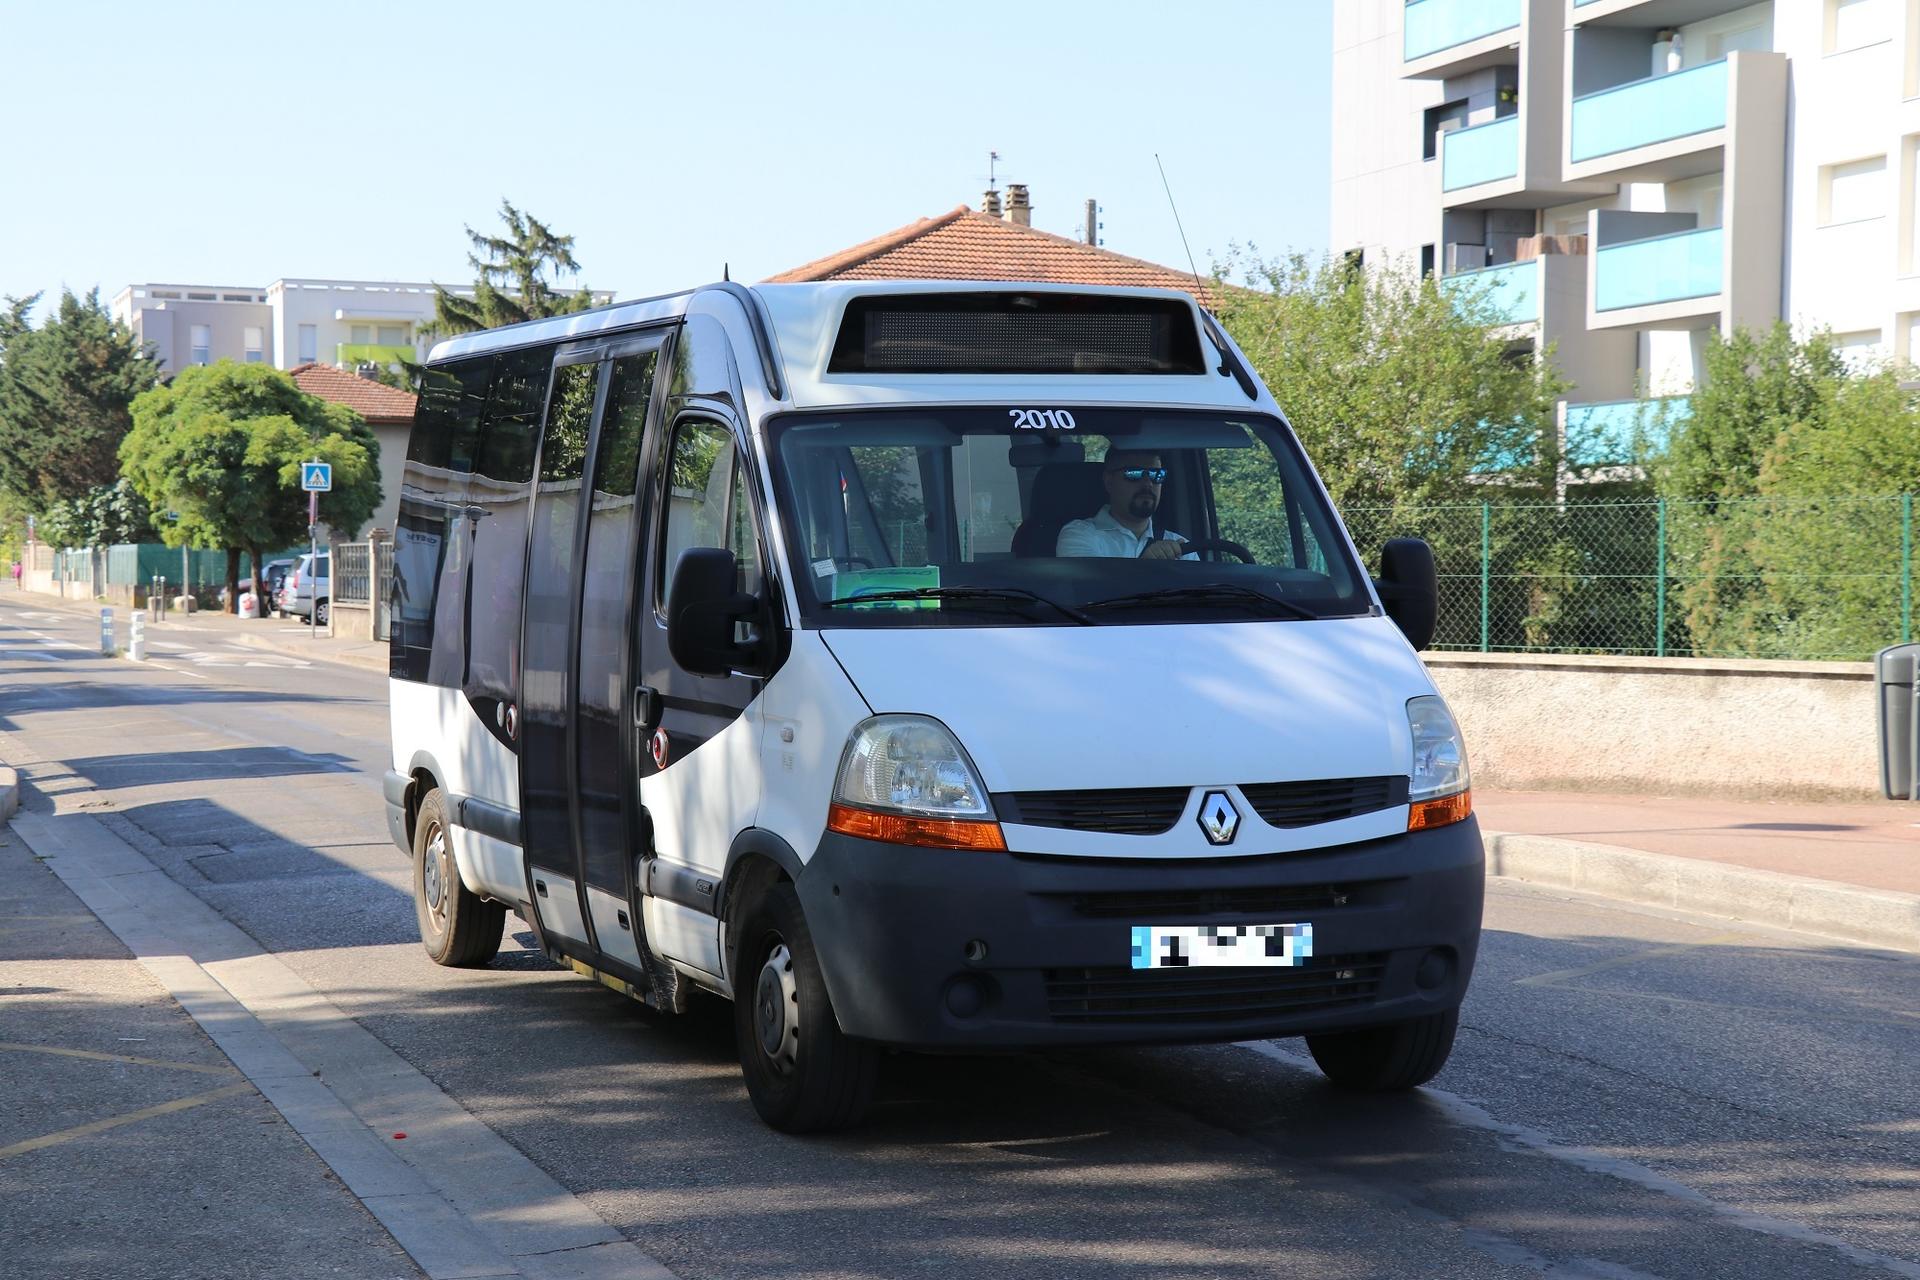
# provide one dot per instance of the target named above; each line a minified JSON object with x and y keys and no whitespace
{"x":1660,"y":589}
{"x":1486,"y":568}
{"x":1906,"y":568}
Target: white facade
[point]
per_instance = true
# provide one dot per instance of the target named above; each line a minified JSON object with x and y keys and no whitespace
{"x":1708,"y":163}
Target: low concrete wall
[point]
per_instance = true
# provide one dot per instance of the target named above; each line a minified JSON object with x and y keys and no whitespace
{"x":351,"y":621}
{"x":1667,"y":726}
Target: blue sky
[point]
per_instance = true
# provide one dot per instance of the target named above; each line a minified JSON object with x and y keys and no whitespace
{"x":233,"y":144}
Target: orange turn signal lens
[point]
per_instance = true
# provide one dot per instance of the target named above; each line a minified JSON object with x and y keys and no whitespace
{"x":927,"y":833}
{"x":1447,"y":810}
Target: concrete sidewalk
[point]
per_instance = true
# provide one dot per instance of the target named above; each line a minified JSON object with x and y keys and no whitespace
{"x":1847,"y":870}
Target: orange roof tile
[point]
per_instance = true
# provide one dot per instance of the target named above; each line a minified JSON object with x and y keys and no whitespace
{"x":374,"y":401}
{"x":963,"y":244}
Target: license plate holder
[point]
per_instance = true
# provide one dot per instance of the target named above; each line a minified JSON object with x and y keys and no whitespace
{"x":1221,"y":946}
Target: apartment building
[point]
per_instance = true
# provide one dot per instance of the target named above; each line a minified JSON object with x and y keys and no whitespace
{"x":1625,"y":178}
{"x":285,"y":324}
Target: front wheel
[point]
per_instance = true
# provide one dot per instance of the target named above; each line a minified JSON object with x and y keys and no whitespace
{"x":458,"y":928}
{"x":320,"y":614}
{"x":803,"y":1074}
{"x":1387,"y":1059}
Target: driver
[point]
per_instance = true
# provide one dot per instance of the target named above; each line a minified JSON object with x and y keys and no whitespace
{"x":1124,"y":527}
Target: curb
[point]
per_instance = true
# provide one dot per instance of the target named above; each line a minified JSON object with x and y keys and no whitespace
{"x":9,"y":792}
{"x":363,"y":663}
{"x":1869,"y":917}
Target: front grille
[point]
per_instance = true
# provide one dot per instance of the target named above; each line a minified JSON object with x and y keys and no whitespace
{"x":1301,"y":804}
{"x":1138,"y":996}
{"x":1132,"y":812}
{"x":1176,"y":906}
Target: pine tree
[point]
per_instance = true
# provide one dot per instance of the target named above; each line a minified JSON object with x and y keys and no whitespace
{"x":511,"y":282}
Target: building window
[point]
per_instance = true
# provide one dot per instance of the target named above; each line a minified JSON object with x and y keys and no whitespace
{"x":1855,"y":24}
{"x":1426,"y":261}
{"x":1861,"y":350}
{"x":360,"y":334}
{"x":255,"y":343}
{"x":202,"y":343}
{"x":393,"y":335}
{"x":1441,"y":119}
{"x":309,"y":343}
{"x":1853,"y":192}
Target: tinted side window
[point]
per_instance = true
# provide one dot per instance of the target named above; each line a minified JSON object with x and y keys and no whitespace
{"x":429,"y":564}
{"x":700,"y":468}
{"x":497,"y":510}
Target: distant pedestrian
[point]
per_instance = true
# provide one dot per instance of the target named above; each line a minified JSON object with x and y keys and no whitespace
{"x":16,"y":575}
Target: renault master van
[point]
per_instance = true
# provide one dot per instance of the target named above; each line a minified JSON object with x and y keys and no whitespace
{"x":921,"y":665}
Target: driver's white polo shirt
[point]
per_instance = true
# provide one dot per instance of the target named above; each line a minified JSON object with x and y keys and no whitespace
{"x":1104,"y":536}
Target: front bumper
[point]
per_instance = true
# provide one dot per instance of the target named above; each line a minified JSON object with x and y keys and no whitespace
{"x":937,"y":949}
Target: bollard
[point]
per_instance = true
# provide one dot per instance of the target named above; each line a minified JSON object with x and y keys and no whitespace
{"x":106,"y":631}
{"x":137,"y":637}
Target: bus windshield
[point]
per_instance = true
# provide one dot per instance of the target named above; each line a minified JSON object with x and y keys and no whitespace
{"x":1055,"y":517}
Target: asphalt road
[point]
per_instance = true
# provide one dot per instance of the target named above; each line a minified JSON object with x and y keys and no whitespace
{"x":1633,"y":1093}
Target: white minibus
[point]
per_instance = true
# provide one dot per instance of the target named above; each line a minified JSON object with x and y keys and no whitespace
{"x":924,"y":665}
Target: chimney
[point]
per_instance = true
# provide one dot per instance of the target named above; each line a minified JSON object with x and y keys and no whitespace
{"x":1019,"y":211}
{"x":990,"y":203}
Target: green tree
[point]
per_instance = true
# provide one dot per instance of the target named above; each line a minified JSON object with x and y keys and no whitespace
{"x":65,"y":389}
{"x":104,"y":515}
{"x":515,"y":280}
{"x":222,"y":446}
{"x":1784,"y":508}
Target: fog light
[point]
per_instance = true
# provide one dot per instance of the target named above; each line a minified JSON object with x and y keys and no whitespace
{"x":1436,"y":967}
{"x":966,"y":997}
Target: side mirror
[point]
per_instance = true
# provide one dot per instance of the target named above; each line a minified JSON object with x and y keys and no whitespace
{"x":702,"y":608}
{"x":1410,"y":588}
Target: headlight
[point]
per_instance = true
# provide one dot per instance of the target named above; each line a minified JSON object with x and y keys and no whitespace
{"x":904,"y":780}
{"x":1439,"y":791}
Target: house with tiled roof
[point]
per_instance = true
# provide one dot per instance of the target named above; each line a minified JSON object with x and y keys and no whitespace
{"x":388,"y":410}
{"x":991,"y":243}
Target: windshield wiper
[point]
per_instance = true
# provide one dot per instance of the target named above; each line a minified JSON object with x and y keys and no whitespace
{"x":1205,"y":593}
{"x":967,"y":595}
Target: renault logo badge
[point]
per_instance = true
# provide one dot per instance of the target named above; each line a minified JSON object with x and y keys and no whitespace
{"x":1218,"y":818}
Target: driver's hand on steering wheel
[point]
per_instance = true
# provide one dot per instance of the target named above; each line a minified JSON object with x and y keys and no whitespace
{"x":1165,"y":549}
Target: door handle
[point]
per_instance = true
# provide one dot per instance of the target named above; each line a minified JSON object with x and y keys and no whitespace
{"x":646,"y":707}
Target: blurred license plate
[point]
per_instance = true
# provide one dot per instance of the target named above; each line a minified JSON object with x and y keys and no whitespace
{"x":1221,"y":946}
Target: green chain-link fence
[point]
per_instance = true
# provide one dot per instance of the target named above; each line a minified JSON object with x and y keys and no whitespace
{"x":1800,"y":578}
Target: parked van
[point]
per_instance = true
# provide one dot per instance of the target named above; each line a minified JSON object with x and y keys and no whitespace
{"x":926,"y":665}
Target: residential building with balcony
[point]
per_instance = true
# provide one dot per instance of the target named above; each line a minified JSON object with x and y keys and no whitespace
{"x":285,"y":324}
{"x":1633,"y":176}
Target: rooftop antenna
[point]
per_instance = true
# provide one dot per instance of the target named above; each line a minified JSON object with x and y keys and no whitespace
{"x":993,"y":159}
{"x":1176,"y":222}
{"x":725,"y":273}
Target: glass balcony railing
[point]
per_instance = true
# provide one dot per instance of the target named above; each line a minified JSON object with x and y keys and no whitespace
{"x":1485,"y":153}
{"x":1661,"y":269}
{"x":1433,"y":25}
{"x":1619,"y":432}
{"x":351,"y":353}
{"x":1511,"y":292}
{"x":1649,"y":111}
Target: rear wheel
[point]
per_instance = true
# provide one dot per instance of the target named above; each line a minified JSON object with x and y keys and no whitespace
{"x":803,"y":1074}
{"x":457,"y":927}
{"x":320,"y":613}
{"x":1387,"y":1059}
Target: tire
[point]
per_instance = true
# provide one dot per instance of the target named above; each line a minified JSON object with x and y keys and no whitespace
{"x":457,"y":927}
{"x":320,"y":614}
{"x":1387,"y":1059}
{"x":816,"y":1079}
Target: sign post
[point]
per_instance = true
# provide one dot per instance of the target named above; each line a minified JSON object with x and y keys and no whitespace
{"x":316,"y":478}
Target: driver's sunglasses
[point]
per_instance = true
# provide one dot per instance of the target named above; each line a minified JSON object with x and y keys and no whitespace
{"x":1156,"y":474}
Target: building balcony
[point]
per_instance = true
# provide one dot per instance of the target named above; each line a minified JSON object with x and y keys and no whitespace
{"x":1479,"y":155}
{"x":1618,"y":433}
{"x":1648,"y":13}
{"x":1511,"y":292}
{"x":1448,"y":37}
{"x":348,"y":354}
{"x":1669,"y":279}
{"x":1679,"y":125}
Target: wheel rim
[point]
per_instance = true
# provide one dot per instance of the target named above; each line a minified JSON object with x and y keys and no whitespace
{"x":776,"y":1009}
{"x":433,"y":876}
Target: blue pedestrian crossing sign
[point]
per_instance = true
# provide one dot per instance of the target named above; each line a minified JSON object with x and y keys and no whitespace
{"x":316,"y":477}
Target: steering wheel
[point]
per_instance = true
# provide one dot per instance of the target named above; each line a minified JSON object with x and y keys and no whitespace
{"x":1217,"y":544}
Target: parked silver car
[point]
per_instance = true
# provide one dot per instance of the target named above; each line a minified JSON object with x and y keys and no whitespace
{"x":303,"y":585}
